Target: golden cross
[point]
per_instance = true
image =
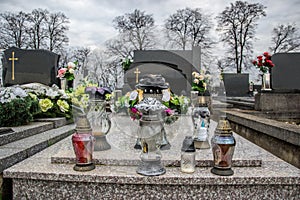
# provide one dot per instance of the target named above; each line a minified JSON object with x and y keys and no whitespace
{"x":137,"y":72}
{"x":13,"y":65}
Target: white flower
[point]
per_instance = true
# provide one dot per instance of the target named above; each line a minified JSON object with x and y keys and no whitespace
{"x":201,"y":77}
{"x":20,"y":92}
{"x":71,"y":65}
{"x":166,"y":95}
{"x":71,"y":70}
{"x":196,"y":81}
{"x":133,"y":95}
{"x":51,"y":93}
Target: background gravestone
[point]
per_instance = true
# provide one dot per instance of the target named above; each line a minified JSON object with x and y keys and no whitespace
{"x":31,"y":66}
{"x":286,"y":73}
{"x":236,"y":85}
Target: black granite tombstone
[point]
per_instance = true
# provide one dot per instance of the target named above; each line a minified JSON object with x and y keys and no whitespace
{"x":175,"y":66}
{"x":236,"y":85}
{"x":286,"y":73}
{"x":27,"y":66}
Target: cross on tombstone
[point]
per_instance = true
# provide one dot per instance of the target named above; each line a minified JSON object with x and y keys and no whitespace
{"x":13,"y":65}
{"x":137,"y":72}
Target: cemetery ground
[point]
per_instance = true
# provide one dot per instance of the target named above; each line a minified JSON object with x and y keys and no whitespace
{"x":49,"y":174}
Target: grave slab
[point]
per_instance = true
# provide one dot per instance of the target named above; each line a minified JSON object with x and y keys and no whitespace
{"x":49,"y":174}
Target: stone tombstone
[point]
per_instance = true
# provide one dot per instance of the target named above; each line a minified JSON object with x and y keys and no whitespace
{"x":286,"y":73}
{"x":28,"y":66}
{"x":236,"y":85}
{"x":176,"y":66}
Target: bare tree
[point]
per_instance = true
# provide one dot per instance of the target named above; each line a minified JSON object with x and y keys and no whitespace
{"x":137,"y":28}
{"x":189,"y":27}
{"x":237,"y":24}
{"x":37,"y":28}
{"x":120,"y":47}
{"x":56,"y":31}
{"x":13,"y":30}
{"x":285,"y":38}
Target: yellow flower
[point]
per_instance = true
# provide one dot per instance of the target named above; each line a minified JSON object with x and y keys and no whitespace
{"x":63,"y":105}
{"x":45,"y":104}
{"x":33,"y":96}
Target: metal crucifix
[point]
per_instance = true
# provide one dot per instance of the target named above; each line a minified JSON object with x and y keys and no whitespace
{"x":13,"y":65}
{"x":137,"y":72}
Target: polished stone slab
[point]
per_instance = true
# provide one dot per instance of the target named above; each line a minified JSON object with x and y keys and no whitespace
{"x":123,"y":135}
{"x":39,"y":178}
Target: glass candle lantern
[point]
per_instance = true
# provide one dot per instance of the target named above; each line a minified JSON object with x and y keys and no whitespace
{"x":223,"y":144}
{"x":151,"y":133}
{"x":201,"y":121}
{"x":83,"y":144}
{"x":100,"y":123}
{"x":188,"y":154}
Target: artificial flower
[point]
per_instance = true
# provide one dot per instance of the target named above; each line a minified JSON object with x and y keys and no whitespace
{"x":63,"y":105}
{"x":45,"y":104}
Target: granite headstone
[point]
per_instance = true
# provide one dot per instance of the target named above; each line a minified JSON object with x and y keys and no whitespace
{"x":27,"y":66}
{"x":236,"y":85}
{"x":286,"y":73}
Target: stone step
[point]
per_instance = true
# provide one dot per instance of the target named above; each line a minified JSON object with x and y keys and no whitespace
{"x":18,"y":150}
{"x":11,"y":134}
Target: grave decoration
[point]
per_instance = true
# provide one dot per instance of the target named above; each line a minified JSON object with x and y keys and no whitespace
{"x":83,"y":144}
{"x":91,"y":99}
{"x":265,"y":64}
{"x":17,"y":107}
{"x":22,"y":104}
{"x":52,"y":101}
{"x":151,"y":133}
{"x":200,"y":82}
{"x":98,"y":117}
{"x":153,"y":86}
{"x":66,"y":76}
{"x":223,"y":144}
{"x":201,"y":121}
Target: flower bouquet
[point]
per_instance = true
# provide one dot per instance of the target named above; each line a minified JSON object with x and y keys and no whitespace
{"x":264,"y":63}
{"x":200,"y":82}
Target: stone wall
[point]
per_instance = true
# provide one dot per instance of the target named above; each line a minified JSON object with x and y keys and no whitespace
{"x":279,"y":138}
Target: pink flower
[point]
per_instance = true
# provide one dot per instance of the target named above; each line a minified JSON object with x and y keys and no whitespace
{"x":61,"y":72}
{"x":134,"y":110}
{"x":169,"y":111}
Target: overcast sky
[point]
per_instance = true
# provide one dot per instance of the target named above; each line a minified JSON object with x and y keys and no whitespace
{"x":91,"y":20}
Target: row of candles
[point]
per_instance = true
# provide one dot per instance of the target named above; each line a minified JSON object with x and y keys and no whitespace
{"x":222,"y":142}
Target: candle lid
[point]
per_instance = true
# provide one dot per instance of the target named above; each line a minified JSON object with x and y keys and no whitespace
{"x":223,"y":126}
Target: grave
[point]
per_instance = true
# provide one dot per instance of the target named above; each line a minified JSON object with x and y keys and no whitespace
{"x":285,"y":94}
{"x":176,"y":66}
{"x":273,"y":122}
{"x":236,"y":85}
{"x":286,"y":73}
{"x":26,"y":66}
{"x":50,"y":175}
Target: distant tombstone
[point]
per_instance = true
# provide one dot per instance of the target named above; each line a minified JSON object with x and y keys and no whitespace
{"x":27,"y":66}
{"x":286,"y":73}
{"x":236,"y":85}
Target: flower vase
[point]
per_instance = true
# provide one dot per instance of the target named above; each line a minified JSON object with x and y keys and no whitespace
{"x":266,"y":82}
{"x":63,"y":83}
{"x":70,"y":84}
